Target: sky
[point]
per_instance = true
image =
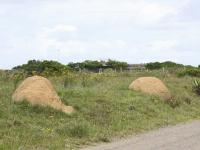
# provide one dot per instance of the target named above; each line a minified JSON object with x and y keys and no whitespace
{"x":135,"y":31}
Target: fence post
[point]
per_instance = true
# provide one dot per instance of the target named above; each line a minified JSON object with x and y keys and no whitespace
{"x":163,"y":69}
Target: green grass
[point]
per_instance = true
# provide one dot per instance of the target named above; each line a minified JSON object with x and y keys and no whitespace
{"x":105,"y":109}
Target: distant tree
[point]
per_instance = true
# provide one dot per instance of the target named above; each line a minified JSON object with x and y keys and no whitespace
{"x":45,"y":67}
{"x":92,"y":65}
{"x":158,"y":65}
{"x":88,"y":64}
{"x":116,"y":64}
{"x":189,"y":67}
{"x":96,"y":65}
{"x":169,"y":64}
{"x":76,"y":66}
{"x":193,"y":72}
{"x":153,"y":65}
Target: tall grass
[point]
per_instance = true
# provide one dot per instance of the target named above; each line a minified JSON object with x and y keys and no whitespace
{"x":105,"y":109}
{"x":196,"y":86}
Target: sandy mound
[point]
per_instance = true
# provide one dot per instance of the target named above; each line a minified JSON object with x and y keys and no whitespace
{"x":39,"y":91}
{"x":151,"y":85}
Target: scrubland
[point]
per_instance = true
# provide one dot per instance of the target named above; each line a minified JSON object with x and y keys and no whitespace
{"x":105,"y":109}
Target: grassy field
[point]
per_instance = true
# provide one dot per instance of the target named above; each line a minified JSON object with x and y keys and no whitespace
{"x":105,"y":109}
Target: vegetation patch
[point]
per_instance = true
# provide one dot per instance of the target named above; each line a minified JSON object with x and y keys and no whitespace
{"x":159,"y":65}
{"x":196,"y":86}
{"x":193,"y":72}
{"x":105,"y":108}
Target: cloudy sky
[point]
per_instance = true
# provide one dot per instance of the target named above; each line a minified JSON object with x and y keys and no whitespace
{"x":136,"y":31}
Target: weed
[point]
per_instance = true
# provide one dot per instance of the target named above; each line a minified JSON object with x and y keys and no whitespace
{"x":74,"y":130}
{"x":68,"y":80}
{"x":196,"y":86}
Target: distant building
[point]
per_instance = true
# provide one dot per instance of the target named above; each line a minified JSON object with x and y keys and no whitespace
{"x":136,"y":67}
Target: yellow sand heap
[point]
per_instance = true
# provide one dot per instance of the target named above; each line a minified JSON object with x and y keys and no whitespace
{"x":39,"y":91}
{"x":151,"y":85}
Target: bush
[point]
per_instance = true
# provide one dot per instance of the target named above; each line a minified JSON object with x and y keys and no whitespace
{"x":158,"y":65}
{"x":153,"y":66}
{"x":85,"y":79}
{"x":17,"y":77}
{"x":44,"y":68}
{"x":88,"y":64}
{"x":196,"y":86}
{"x":116,"y":64}
{"x":96,"y":65}
{"x":175,"y":102}
{"x":68,"y":80}
{"x":193,"y":72}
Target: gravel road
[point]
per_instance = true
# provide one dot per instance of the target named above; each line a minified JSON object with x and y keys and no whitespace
{"x":180,"y":137}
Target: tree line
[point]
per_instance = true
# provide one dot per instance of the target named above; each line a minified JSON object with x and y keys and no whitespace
{"x":160,"y":65}
{"x":49,"y":68}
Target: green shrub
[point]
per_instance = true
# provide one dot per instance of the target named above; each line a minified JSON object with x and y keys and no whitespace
{"x":158,"y":65}
{"x":196,"y":86}
{"x":68,"y":80}
{"x":153,"y":66}
{"x":45,"y":68}
{"x":193,"y":72}
{"x":85,"y":79}
{"x":117,"y":65}
{"x":17,"y":77}
{"x":176,"y":102}
{"x":96,"y":65}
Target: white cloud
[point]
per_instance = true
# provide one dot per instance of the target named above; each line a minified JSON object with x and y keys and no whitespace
{"x":60,"y":28}
{"x":154,"y":12}
{"x":138,"y":11}
{"x":129,"y":30}
{"x":2,"y":11}
{"x":160,"y":45}
{"x":48,"y":38}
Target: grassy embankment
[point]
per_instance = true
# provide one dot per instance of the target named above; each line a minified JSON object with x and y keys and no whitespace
{"x":105,"y":109}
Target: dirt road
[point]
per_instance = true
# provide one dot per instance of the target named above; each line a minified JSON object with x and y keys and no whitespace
{"x":180,"y":137}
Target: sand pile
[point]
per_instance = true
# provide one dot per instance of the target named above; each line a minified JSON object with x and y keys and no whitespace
{"x":39,"y":91}
{"x":151,"y":85}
